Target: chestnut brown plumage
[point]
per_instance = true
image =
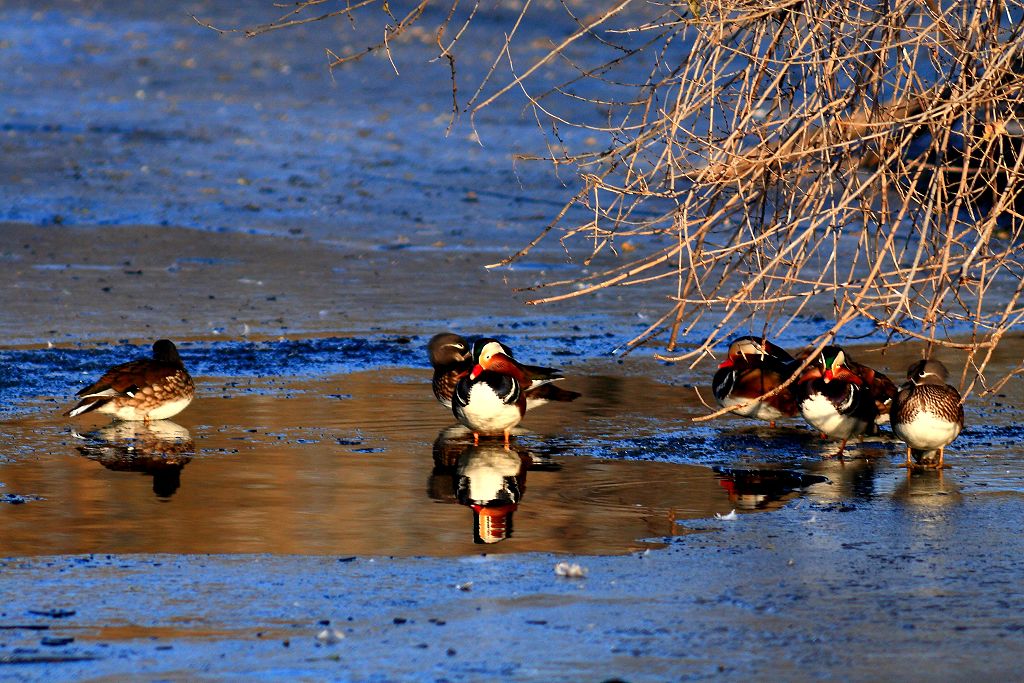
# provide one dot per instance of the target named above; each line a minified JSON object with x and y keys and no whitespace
{"x":145,"y":389}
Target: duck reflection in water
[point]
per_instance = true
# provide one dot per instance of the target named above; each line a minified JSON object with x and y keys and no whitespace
{"x":489,"y":478}
{"x":763,"y":489}
{"x":850,"y":477}
{"x":928,"y":489}
{"x":160,"y":448}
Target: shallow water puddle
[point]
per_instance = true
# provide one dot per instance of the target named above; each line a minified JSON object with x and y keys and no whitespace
{"x":367,"y":463}
{"x":363,"y":463}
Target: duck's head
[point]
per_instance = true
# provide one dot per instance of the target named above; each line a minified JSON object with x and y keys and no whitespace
{"x":832,"y":361}
{"x":745,"y":349}
{"x":165,"y":351}
{"x":447,"y":348}
{"x":927,"y":372}
{"x":491,"y":354}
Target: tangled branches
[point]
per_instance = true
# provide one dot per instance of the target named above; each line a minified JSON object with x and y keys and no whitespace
{"x":767,"y":160}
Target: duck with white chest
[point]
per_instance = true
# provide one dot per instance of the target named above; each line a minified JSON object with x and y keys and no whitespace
{"x":927,"y":414}
{"x":145,"y":389}
{"x":492,"y":398}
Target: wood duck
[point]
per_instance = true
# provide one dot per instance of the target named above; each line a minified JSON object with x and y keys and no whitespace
{"x":753,"y":368}
{"x":452,"y":358}
{"x":491,"y":399}
{"x":146,"y":389}
{"x":838,"y":408}
{"x":488,"y":402}
{"x":835,"y":364}
{"x":927,"y":413}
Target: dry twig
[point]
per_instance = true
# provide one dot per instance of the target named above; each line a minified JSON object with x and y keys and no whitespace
{"x":771,"y":157}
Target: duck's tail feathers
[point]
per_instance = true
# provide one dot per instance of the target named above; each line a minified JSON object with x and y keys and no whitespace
{"x":549,"y":392}
{"x":540,"y":375}
{"x":95,"y":399}
{"x":85,"y":405}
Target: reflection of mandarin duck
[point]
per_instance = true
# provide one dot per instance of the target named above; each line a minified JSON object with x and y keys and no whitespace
{"x":452,"y":359}
{"x":927,"y":413}
{"x":753,"y":489}
{"x":159,"y":448}
{"x":491,"y":480}
{"x":145,"y":389}
{"x":491,"y":399}
{"x":848,"y":479}
{"x":833,"y":363}
{"x":753,"y":368}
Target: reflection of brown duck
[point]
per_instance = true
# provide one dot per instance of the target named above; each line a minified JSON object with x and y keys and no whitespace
{"x":160,"y":448}
{"x":930,"y":488}
{"x":488,"y":478}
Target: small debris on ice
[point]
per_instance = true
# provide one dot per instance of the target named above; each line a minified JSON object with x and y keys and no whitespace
{"x":570,"y":571}
{"x":329,"y":636}
{"x":728,"y":518}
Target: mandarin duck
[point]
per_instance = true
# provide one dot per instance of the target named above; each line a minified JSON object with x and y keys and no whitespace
{"x":838,"y":408}
{"x":146,"y":389}
{"x":452,"y":358}
{"x":834,"y":363}
{"x":753,"y":368}
{"x":491,"y":399}
{"x":927,"y":413}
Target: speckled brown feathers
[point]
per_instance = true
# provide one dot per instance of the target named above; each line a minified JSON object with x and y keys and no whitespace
{"x":927,"y":414}
{"x":450,"y":356}
{"x":943,"y":401}
{"x":147,"y":389}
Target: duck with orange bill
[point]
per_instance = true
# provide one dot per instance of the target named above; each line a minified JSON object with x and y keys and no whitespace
{"x":838,"y":408}
{"x":492,"y":398}
{"x":451,"y":356}
{"x":835,"y":363}
{"x":755,"y":367}
{"x":927,"y":414}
